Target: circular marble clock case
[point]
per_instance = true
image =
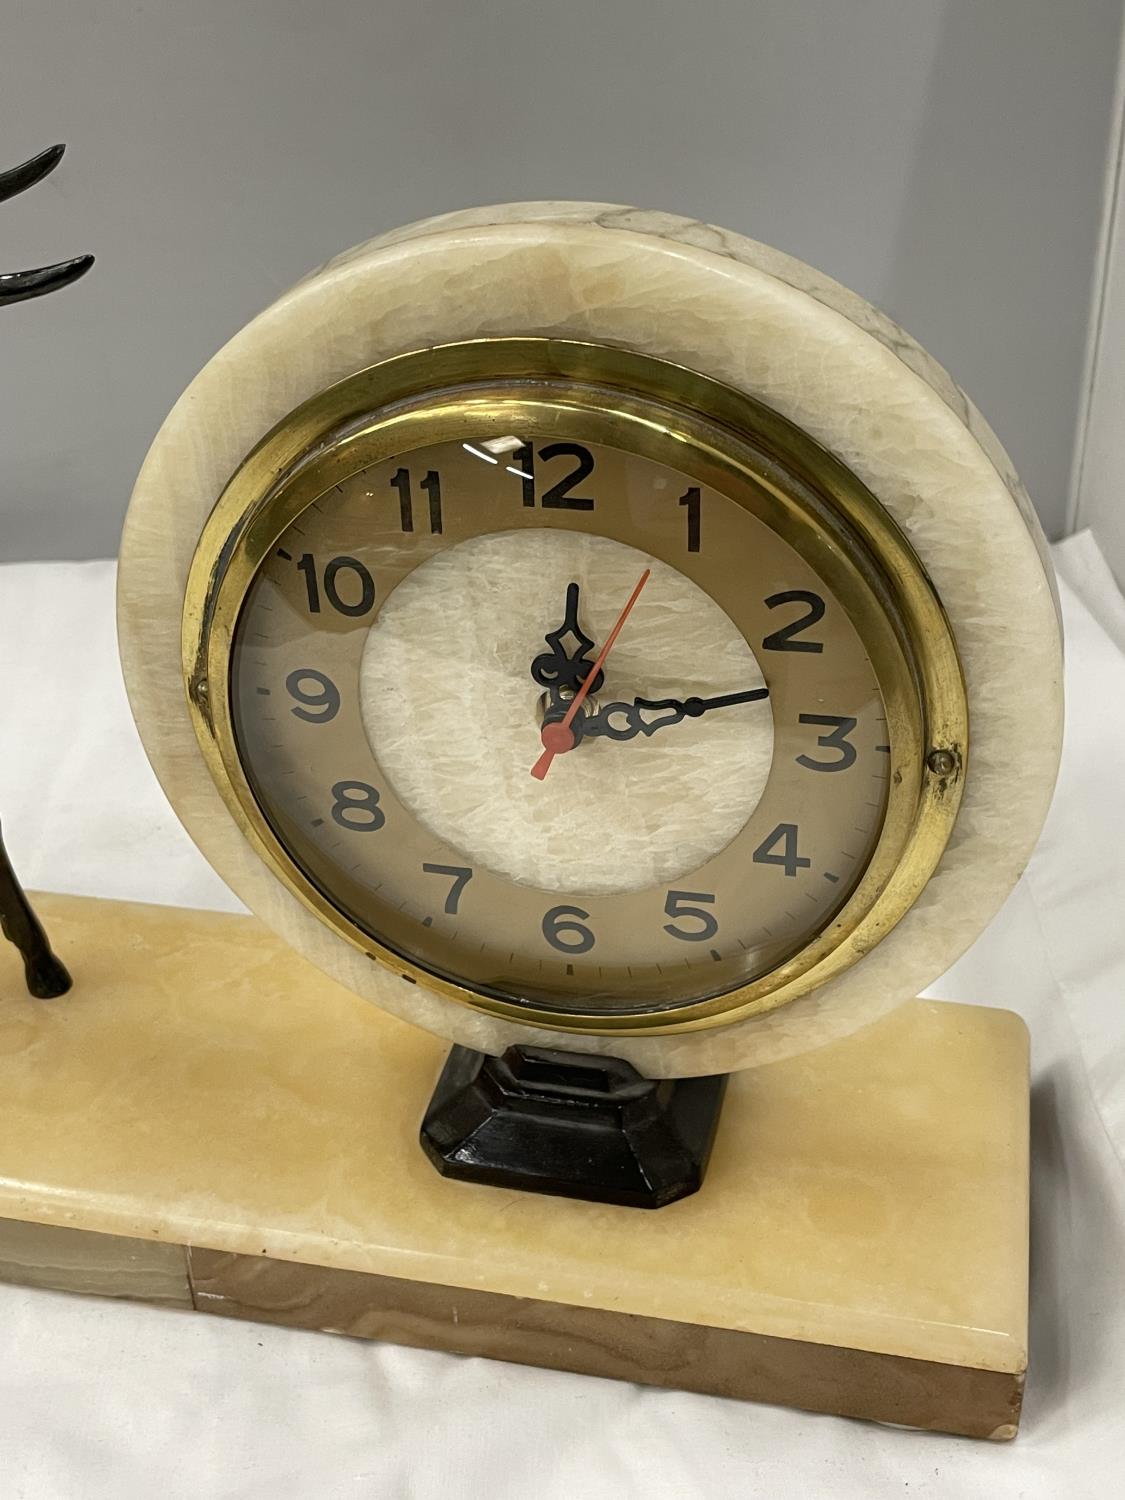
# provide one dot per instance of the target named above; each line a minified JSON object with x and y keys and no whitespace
{"x":734,"y":310}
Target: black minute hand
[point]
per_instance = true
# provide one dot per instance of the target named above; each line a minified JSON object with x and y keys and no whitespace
{"x":624,"y":721}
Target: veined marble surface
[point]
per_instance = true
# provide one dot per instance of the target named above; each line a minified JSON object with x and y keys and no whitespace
{"x":198,"y":1086}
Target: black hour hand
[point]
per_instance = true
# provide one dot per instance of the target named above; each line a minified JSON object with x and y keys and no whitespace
{"x":564,"y":668}
{"x":625,"y":721}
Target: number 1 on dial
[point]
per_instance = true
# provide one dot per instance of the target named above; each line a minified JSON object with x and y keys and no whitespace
{"x":691,"y":499}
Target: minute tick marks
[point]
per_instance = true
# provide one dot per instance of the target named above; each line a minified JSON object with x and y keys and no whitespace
{"x":635,"y":672}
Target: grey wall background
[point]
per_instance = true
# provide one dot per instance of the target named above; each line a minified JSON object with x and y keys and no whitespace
{"x":943,"y":157}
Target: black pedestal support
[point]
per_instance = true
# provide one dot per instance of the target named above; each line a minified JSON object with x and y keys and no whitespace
{"x":575,"y":1125}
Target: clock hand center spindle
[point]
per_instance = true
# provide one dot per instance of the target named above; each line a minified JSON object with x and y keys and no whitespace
{"x":558,"y":738}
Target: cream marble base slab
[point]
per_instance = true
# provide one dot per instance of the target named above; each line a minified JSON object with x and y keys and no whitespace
{"x":207,"y":1120}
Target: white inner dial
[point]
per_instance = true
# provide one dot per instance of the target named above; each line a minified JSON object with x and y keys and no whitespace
{"x":453,"y":715}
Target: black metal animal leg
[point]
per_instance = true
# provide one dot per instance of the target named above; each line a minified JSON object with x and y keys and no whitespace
{"x":45,"y":974}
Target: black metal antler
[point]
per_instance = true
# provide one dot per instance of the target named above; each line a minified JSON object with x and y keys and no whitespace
{"x":45,"y":974}
{"x":18,"y":286}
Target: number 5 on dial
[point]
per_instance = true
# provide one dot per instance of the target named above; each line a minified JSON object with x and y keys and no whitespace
{"x":685,"y":904}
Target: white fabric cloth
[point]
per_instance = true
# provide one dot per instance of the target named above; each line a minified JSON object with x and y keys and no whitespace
{"x":102,"y":1399}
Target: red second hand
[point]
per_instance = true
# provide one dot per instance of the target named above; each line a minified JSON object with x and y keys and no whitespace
{"x":559,"y":738}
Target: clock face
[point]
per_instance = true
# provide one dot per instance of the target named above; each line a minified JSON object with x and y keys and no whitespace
{"x":544,"y":697}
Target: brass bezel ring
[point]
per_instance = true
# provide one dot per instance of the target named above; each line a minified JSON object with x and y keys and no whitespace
{"x":657,"y":409}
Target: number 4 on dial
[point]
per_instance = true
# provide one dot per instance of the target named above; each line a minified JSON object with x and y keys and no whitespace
{"x":790,"y":861}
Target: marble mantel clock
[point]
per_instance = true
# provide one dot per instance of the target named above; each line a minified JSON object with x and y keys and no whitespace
{"x":607,"y":644}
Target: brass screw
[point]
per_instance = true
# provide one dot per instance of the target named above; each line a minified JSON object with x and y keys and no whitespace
{"x":942,"y":762}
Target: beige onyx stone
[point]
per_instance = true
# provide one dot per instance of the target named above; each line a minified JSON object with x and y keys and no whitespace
{"x":451,"y":645}
{"x":733,"y":310}
{"x":60,"y":1259}
{"x":859,"y":1244}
